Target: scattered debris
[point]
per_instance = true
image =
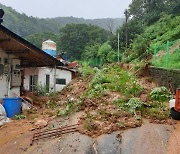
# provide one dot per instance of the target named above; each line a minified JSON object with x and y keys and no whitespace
{"x":2,"y":111}
{"x":40,"y":124}
{"x":57,"y":132}
{"x":119,"y":137}
{"x":26,"y":106}
{"x":4,"y":120}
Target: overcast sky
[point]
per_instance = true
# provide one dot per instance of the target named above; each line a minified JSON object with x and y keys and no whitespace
{"x":89,"y":9}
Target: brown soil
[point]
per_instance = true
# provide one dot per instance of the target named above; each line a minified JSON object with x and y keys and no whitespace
{"x":13,"y":130}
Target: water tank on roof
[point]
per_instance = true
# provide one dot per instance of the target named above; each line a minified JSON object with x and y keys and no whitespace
{"x":49,"y":47}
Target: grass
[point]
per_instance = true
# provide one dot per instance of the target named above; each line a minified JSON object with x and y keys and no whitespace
{"x":157,"y":113}
{"x":87,"y":124}
{"x":157,"y":110}
{"x":173,"y":61}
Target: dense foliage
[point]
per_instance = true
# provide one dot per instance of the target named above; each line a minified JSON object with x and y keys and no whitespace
{"x":75,"y":37}
{"x":97,"y":52}
{"x":113,"y":78}
{"x":150,"y":11}
{"x":150,"y":23}
{"x":166,"y":29}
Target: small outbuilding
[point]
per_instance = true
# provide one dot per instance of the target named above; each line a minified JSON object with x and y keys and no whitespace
{"x":16,"y":55}
{"x":50,"y":78}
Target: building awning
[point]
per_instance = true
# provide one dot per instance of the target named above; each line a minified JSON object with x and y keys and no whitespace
{"x":30,"y":55}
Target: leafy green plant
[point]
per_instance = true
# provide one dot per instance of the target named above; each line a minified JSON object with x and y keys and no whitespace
{"x":134,"y":104}
{"x":86,"y":70}
{"x":41,"y":89}
{"x":121,"y":103}
{"x":160,"y":94}
{"x":89,"y":121}
{"x":19,"y":117}
{"x":71,"y":107}
{"x":87,"y":124}
{"x":113,"y":78}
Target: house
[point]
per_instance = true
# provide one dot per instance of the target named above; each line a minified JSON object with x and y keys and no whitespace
{"x":17,"y":55}
{"x":49,"y":78}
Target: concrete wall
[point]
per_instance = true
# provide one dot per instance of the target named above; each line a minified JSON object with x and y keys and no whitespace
{"x":4,"y":86}
{"x":166,"y":77}
{"x":27,"y":73}
{"x":42,"y":72}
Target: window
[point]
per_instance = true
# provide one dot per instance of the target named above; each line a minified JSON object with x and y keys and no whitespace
{"x":61,"y":81}
{"x":5,"y":61}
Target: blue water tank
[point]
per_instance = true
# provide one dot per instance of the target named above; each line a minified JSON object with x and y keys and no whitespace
{"x":49,"y":47}
{"x":12,"y":106}
{"x":50,"y":52}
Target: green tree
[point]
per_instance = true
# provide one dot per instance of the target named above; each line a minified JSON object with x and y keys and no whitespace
{"x":74,"y":38}
{"x":135,"y":28}
{"x":150,"y":11}
{"x":106,"y":53}
{"x":91,"y":51}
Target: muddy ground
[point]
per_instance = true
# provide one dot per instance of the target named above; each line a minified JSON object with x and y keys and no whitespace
{"x":149,"y":138}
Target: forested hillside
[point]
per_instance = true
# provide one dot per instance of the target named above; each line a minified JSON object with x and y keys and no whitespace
{"x":150,"y":23}
{"x":25,"y":25}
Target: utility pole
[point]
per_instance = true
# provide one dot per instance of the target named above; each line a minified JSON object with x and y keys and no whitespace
{"x":118,"y":47}
{"x":127,"y":16}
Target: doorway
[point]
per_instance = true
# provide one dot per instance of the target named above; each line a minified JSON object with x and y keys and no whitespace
{"x":33,"y":83}
{"x":47,"y":82}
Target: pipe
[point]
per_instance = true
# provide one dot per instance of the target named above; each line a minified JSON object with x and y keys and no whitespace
{"x":55,"y":78}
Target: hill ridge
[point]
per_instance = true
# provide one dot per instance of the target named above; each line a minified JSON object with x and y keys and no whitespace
{"x":25,"y":25}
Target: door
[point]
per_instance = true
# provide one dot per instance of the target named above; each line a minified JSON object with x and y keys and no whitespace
{"x":47,"y":82}
{"x":33,"y":83}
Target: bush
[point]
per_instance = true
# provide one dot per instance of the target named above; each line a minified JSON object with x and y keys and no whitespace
{"x":160,"y":94}
{"x":113,"y":78}
{"x":86,"y":70}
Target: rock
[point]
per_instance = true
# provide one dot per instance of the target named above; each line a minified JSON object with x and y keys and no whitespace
{"x":4,"y":120}
{"x":2,"y":111}
{"x":40,"y":124}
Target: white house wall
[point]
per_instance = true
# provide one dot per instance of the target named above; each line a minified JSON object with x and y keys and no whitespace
{"x":3,"y":78}
{"x":42,"y":72}
{"x":27,"y":73}
{"x":63,"y":74}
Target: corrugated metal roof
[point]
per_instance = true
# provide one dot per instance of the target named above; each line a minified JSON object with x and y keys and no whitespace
{"x":30,"y":55}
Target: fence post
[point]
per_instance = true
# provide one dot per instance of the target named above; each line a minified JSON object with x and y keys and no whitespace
{"x":155,"y":52}
{"x":167,"y":53}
